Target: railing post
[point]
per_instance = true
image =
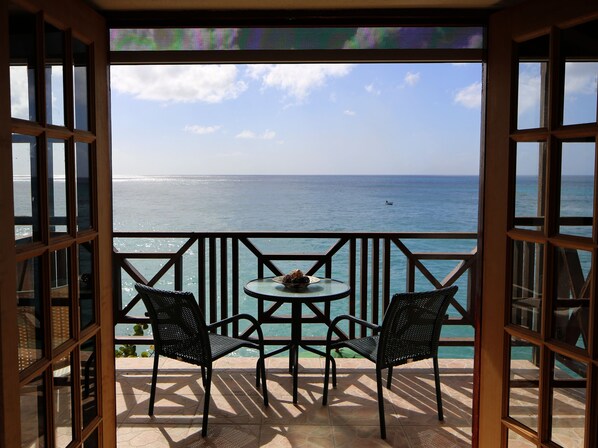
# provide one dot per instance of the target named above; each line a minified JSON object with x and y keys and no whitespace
{"x":178,"y":274}
{"x":224,"y":283}
{"x":363,"y":283}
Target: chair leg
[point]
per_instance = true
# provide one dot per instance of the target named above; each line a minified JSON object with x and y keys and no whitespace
{"x":389,"y":381}
{"x":258,"y":372}
{"x":333,"y":372}
{"x":380,"y":403}
{"x":153,"y":387}
{"x":264,"y":386}
{"x":206,"y":402}
{"x":438,"y":391}
{"x":326,"y":375}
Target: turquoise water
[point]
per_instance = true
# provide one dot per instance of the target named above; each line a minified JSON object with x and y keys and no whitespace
{"x":298,"y":203}
{"x":316,"y":203}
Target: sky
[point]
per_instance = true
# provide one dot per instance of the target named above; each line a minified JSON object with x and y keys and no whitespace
{"x":385,"y":118}
{"x":296,"y":119}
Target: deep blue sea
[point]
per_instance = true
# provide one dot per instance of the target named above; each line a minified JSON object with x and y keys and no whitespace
{"x":301,"y":203}
{"x":317,"y":203}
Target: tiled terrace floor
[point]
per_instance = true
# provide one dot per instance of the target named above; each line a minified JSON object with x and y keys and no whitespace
{"x":238,"y":417}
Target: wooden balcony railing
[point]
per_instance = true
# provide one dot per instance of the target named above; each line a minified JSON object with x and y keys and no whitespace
{"x":216,"y":265}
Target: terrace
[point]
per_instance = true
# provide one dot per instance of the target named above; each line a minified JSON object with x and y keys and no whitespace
{"x":519,"y":352}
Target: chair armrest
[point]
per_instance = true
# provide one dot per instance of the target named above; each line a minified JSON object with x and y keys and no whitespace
{"x":236,"y":317}
{"x":357,"y":320}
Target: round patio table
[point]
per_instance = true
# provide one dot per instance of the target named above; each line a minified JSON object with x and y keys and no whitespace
{"x":325,"y":290}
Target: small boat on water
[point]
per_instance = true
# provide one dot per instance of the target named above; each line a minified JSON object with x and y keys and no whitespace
{"x":389,"y":202}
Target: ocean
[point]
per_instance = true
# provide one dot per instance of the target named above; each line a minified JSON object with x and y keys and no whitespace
{"x":320,"y":204}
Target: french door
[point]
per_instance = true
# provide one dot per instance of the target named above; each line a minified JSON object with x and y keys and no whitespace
{"x":57,"y":367}
{"x":539,"y":350}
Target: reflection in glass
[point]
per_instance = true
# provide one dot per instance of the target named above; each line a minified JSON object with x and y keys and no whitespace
{"x":54,"y":43}
{"x":22,"y":39}
{"x":81,"y":63}
{"x":517,"y":441}
{"x":531,"y":105}
{"x":532,"y":83}
{"x":92,"y":441}
{"x":577,"y":188}
{"x":60,"y":297}
{"x":581,"y":73}
{"x":26,"y":188}
{"x":33,"y":414}
{"x":524,"y":382}
{"x":83,"y":174}
{"x":580,"y":92}
{"x":30,"y":319}
{"x":89,"y":385}
{"x":572,"y":305}
{"x":62,"y":377}
{"x":568,"y":396}
{"x":530,"y":185}
{"x":295,"y":38}
{"x":526,"y":299}
{"x":86,"y":285}
{"x":57,"y":193}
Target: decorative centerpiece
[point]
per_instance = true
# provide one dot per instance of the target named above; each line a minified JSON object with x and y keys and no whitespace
{"x":296,"y":280}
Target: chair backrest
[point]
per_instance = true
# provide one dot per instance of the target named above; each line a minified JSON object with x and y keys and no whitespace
{"x":411,"y":326}
{"x":178,"y":324}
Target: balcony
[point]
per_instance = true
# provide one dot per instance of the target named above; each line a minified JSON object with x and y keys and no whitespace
{"x":215,"y":266}
{"x":239,"y":419}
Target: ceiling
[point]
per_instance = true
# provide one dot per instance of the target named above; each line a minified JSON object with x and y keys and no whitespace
{"x":190,"y":5}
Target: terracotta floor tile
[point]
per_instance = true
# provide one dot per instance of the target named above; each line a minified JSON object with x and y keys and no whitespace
{"x":238,"y":417}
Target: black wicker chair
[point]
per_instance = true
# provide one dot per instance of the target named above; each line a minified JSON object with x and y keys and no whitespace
{"x":409,"y":332}
{"x":180,"y":332}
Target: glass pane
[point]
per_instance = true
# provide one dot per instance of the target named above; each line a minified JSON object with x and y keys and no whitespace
{"x":524,"y":382}
{"x":92,"y":441}
{"x":22,"y":38}
{"x":526,"y":299}
{"x":577,"y":188}
{"x":580,"y":92}
{"x":60,"y":297}
{"x":80,"y":69}
{"x":33,"y":414}
{"x":89,"y":385}
{"x":572,"y":306}
{"x":533,"y":83}
{"x":26,"y":188}
{"x":581,"y":73}
{"x":64,"y":430}
{"x":57,"y":196}
{"x":86,"y":285}
{"x":54,"y":41}
{"x":530,"y":185}
{"x":83,"y":173}
{"x":516,"y":441}
{"x":568,"y":395}
{"x":29,"y":312}
{"x":324,"y":38}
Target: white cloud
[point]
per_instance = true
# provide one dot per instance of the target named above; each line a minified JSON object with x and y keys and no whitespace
{"x":297,"y":80}
{"x":370,"y":88}
{"x":178,"y":83}
{"x":19,"y":91}
{"x":581,"y":78}
{"x":529,"y":91}
{"x":371,"y":38}
{"x":246,"y":134}
{"x":412,"y":79}
{"x":201,"y":130}
{"x":351,"y":113}
{"x":251,"y":135}
{"x":470,"y":96}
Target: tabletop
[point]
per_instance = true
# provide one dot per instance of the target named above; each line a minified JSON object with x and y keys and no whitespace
{"x":326,"y":289}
